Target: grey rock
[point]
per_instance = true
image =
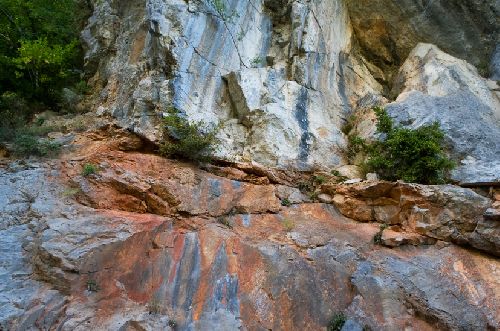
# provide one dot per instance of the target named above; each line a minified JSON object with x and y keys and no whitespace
{"x":292,"y":194}
{"x":436,"y":87}
{"x":492,"y":214}
{"x":351,"y":325}
{"x":495,"y":64}
{"x":389,"y":29}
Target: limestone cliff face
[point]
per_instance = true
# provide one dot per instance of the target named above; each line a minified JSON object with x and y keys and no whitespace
{"x":283,"y":76}
{"x":277,"y":74}
{"x":149,"y":243}
{"x":388,"y":30}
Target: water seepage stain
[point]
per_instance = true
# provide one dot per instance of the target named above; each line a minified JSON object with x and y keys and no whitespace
{"x":303,"y":121}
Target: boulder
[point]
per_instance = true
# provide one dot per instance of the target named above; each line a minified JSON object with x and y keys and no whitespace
{"x":436,"y":87}
{"x":443,"y":212}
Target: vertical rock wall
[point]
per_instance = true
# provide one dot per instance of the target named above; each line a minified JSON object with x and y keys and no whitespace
{"x":272,"y":72}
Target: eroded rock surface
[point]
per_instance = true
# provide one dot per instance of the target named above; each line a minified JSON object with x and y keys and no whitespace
{"x":278,"y":74}
{"x":389,"y":29}
{"x":443,"y":212}
{"x":158,"y":242}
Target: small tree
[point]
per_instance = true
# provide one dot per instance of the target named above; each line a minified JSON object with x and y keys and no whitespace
{"x":411,"y":155}
{"x":192,"y":141}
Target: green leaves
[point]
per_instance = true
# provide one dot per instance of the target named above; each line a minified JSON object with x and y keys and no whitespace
{"x":411,"y":155}
{"x":192,"y":141}
{"x":39,"y":48}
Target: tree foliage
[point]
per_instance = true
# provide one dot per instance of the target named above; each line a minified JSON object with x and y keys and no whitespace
{"x":411,"y":155}
{"x":39,"y":48}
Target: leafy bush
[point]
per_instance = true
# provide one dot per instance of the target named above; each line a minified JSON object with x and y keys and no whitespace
{"x":14,"y":112}
{"x":288,"y":224}
{"x":192,"y":141}
{"x":411,"y":155}
{"x":27,"y":144}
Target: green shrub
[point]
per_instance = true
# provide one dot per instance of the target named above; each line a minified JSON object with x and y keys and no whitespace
{"x":89,"y":169}
{"x":355,"y":145}
{"x":411,"y":155}
{"x":319,"y":179}
{"x":256,"y":61}
{"x":377,"y":238}
{"x":29,"y":145}
{"x":92,"y":285}
{"x":336,"y":322}
{"x":14,"y":113}
{"x":286,"y":203}
{"x":192,"y":141}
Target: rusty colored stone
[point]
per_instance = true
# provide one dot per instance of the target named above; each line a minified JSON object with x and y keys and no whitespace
{"x":354,"y":208}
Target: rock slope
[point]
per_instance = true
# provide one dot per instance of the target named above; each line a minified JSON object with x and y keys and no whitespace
{"x":148,"y":243}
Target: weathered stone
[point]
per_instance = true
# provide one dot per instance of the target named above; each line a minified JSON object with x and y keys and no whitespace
{"x":292,"y":194}
{"x":120,"y":270}
{"x":367,"y":189}
{"x":351,"y":325}
{"x":388,"y":30}
{"x":443,"y":212}
{"x":392,"y":238}
{"x":325,"y":198}
{"x":492,"y":214}
{"x":436,"y":87}
{"x":353,"y":208}
{"x":387,"y":214}
{"x":350,"y":171}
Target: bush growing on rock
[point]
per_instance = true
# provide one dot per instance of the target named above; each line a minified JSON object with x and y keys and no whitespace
{"x":413,"y":155}
{"x":192,"y":141}
{"x":89,"y":169}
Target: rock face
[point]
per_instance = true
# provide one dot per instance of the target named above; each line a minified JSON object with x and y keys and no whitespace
{"x":159,"y":244}
{"x":436,"y":87}
{"x":277,"y":74}
{"x":388,"y":30}
{"x":443,"y":212}
{"x":282,"y":77}
{"x":252,"y":242}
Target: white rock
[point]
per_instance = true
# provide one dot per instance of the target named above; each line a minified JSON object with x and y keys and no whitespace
{"x":282,"y":91}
